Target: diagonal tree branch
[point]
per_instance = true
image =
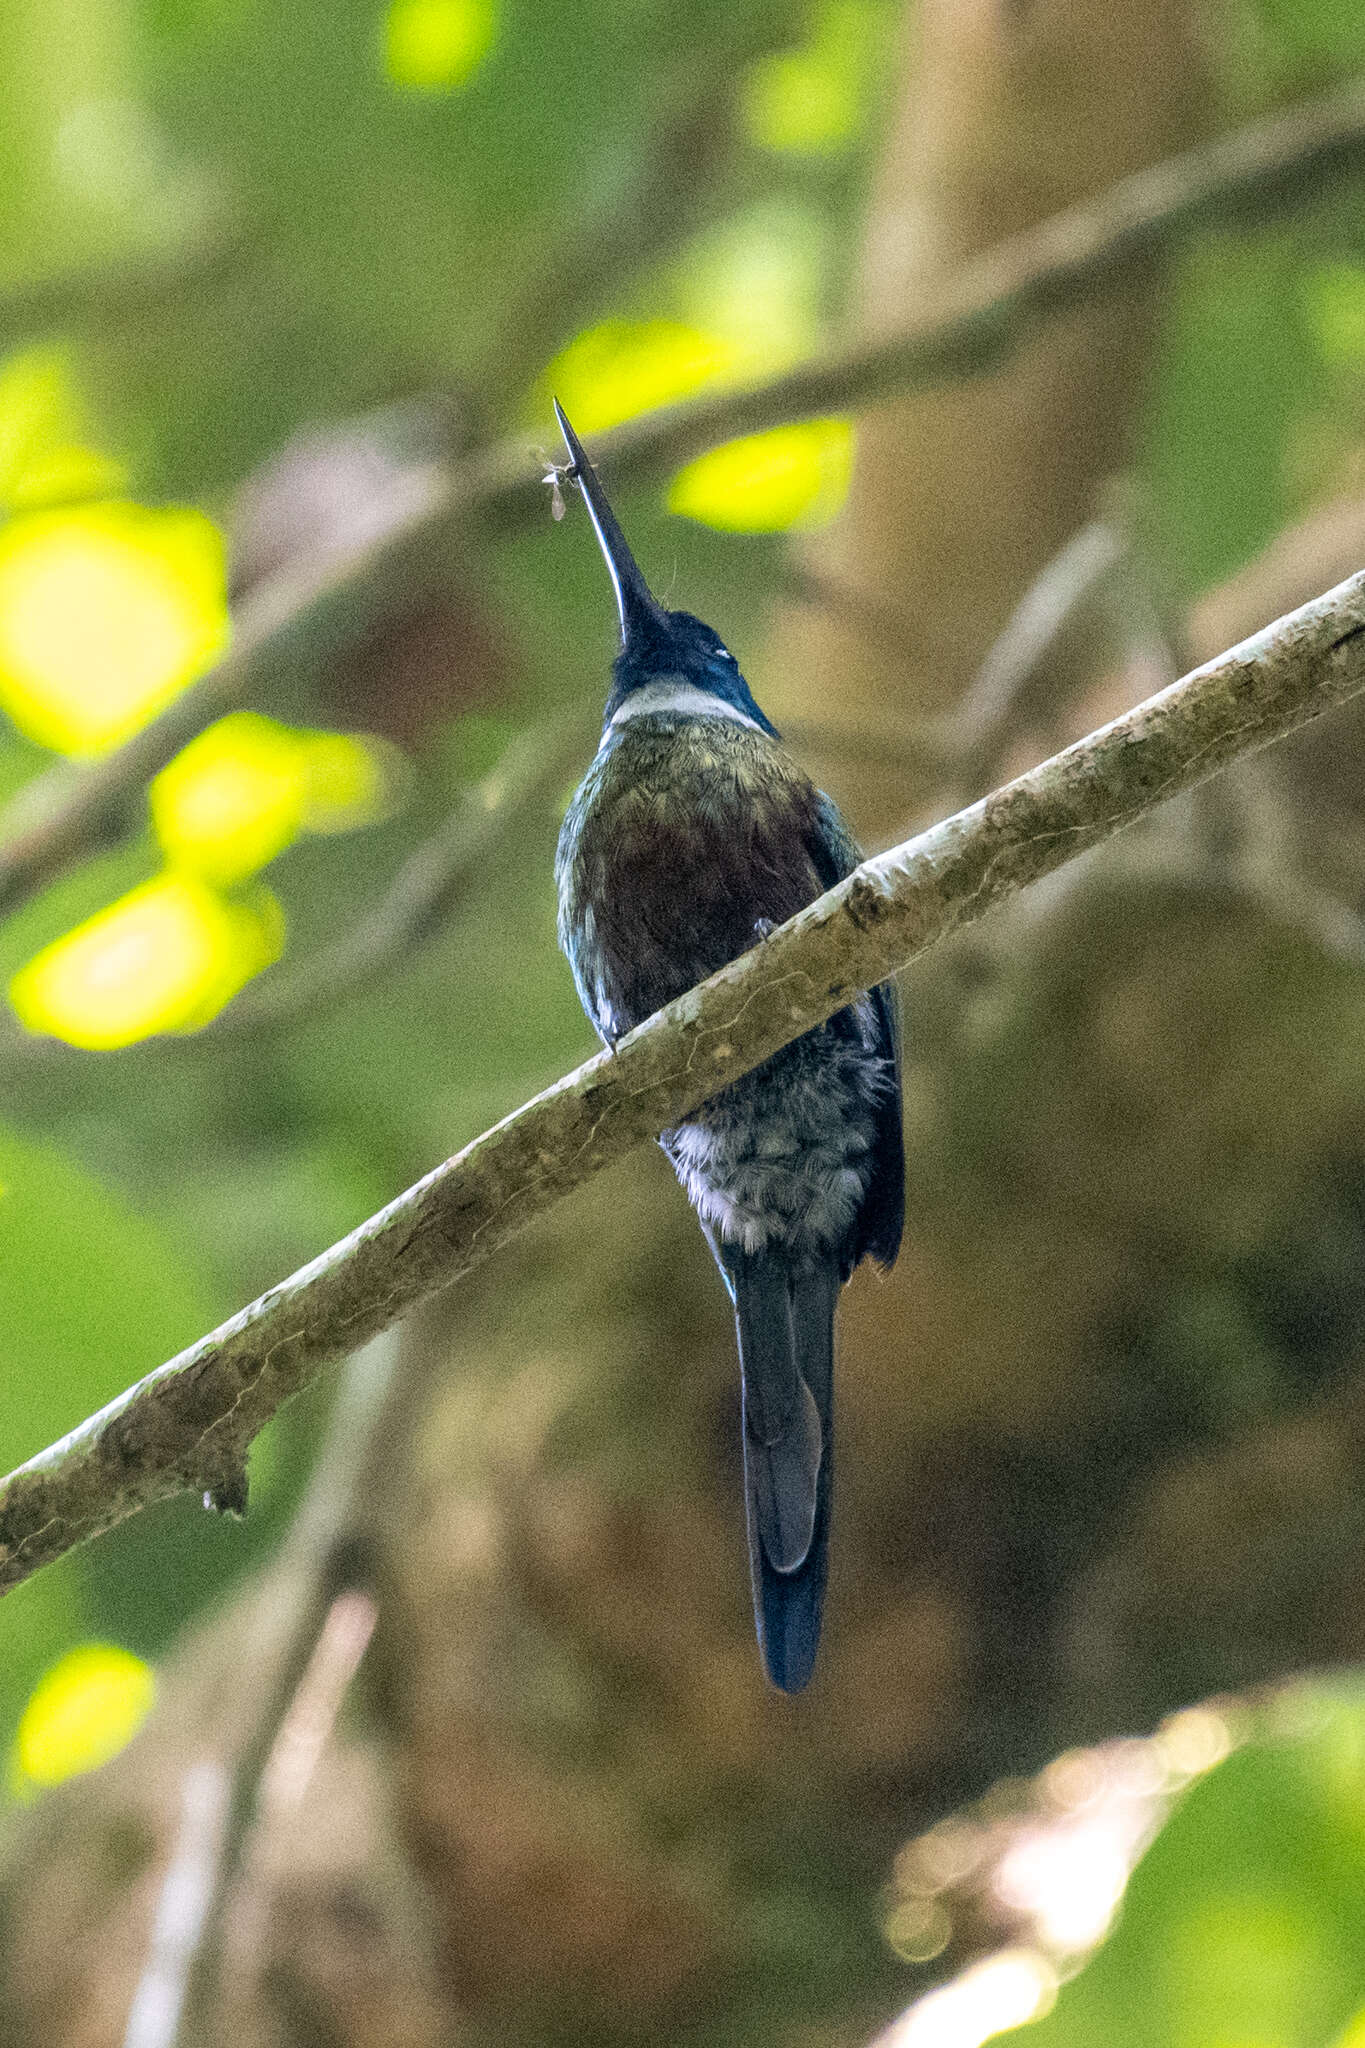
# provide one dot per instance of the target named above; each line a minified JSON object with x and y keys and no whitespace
{"x":100,"y":295}
{"x":983,"y":312}
{"x":190,"y":1423}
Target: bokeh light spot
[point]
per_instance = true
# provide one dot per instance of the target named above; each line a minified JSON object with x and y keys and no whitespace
{"x":348,"y":780}
{"x":795,"y":106}
{"x":765,"y":483}
{"x":247,"y":787}
{"x":42,"y":453}
{"x":1006,"y":1990}
{"x":1334,"y":296}
{"x":757,"y":279}
{"x":1195,"y":1740}
{"x":809,"y":101}
{"x":166,"y":957}
{"x":1353,"y":2036}
{"x":917,"y":1929}
{"x":436,"y":46}
{"x":232,"y":799}
{"x":106,"y":612}
{"x":614,"y":371}
{"x":81,"y":1712}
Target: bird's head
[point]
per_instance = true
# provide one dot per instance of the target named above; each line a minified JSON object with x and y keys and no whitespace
{"x":678,"y":659}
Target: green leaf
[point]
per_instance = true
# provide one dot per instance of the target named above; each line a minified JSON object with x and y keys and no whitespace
{"x":1244,"y":1924}
{"x":91,"y":1295}
{"x":1241,"y":369}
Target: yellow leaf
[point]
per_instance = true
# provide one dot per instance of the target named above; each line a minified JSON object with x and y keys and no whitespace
{"x":809,"y":101}
{"x":65,"y":476}
{"x":765,"y":483}
{"x":434,"y":46}
{"x":81,"y":1712}
{"x":247,"y":787}
{"x":232,"y":799}
{"x":166,"y":957}
{"x":614,"y":371}
{"x":106,"y":612}
{"x":1353,"y":2035}
{"x":42,"y":457}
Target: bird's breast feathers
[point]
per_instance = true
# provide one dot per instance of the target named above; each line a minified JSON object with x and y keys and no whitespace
{"x":687,"y":833}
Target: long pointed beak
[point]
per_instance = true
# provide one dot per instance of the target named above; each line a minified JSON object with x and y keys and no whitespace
{"x":640,"y":610}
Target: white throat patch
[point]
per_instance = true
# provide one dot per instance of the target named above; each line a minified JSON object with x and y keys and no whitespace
{"x":674,"y":693}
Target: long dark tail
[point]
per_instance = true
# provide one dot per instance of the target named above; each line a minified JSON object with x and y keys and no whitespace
{"x":785,"y":1321}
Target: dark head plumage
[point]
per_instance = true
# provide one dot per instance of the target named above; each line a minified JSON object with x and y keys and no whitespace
{"x":655,"y":642}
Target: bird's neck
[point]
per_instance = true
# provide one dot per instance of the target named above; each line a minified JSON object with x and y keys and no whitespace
{"x":673,"y":696}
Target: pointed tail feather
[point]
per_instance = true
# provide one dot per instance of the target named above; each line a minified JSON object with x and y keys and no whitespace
{"x":786,"y":1345}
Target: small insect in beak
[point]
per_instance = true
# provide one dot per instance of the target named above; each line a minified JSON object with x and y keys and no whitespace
{"x":555,"y":473}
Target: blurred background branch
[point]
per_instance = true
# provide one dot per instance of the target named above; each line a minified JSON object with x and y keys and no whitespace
{"x":321,"y":1594}
{"x":297,"y":613}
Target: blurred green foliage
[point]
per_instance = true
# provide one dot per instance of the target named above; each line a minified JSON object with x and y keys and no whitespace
{"x":91,"y":1294}
{"x":225,"y":221}
{"x":1242,"y":1925}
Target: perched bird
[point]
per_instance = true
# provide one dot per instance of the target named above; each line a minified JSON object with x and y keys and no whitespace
{"x":690,"y":837}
